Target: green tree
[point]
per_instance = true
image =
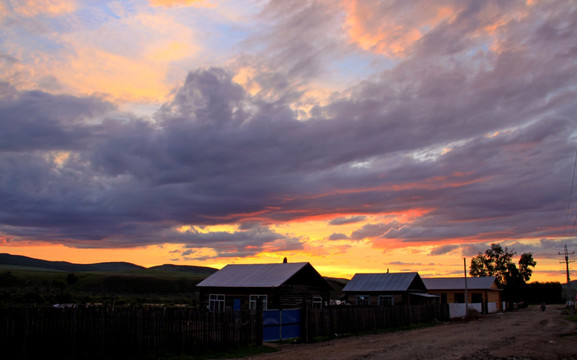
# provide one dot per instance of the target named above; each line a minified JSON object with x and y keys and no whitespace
{"x":498,"y":262}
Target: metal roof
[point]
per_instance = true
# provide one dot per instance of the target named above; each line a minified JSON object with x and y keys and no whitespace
{"x":381,"y":282}
{"x":473,"y":283}
{"x":253,"y":275}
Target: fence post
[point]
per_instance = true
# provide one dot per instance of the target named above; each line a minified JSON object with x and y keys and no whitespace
{"x":331,"y":323}
{"x":304,"y":322}
{"x":259,"y":323}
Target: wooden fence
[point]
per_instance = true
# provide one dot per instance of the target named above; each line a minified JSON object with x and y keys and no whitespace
{"x":334,"y":320}
{"x":132,"y":333}
{"x":149,"y":333}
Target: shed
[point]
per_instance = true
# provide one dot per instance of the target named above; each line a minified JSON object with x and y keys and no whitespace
{"x":484,"y":293}
{"x":387,"y":289}
{"x":278,"y":286}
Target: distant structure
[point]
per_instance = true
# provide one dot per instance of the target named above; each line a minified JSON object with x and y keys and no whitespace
{"x":387,"y":289}
{"x":284,"y":261}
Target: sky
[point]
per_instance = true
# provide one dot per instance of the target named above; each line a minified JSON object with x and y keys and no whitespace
{"x":360,"y":136}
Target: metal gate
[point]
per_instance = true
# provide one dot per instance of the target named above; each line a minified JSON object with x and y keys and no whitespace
{"x":281,"y":324}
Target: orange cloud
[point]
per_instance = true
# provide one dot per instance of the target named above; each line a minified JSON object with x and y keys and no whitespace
{"x":30,"y":8}
{"x":93,"y":70}
{"x":137,"y":71}
{"x":392,"y":31}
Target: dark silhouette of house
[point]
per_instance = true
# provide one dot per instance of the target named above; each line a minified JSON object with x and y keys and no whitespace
{"x":278,"y":286}
{"x":387,"y":289}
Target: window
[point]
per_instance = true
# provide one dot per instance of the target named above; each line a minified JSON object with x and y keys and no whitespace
{"x":362,"y":299}
{"x":460,"y":298}
{"x":216,"y":302}
{"x":317,"y":302}
{"x":386,"y":300}
{"x":443,"y":298}
{"x":477,"y":298}
{"x":253,"y":301}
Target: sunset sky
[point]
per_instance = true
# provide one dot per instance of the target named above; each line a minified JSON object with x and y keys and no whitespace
{"x":359,"y":136}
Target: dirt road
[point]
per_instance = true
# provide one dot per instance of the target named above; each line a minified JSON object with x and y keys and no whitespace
{"x":523,"y":334}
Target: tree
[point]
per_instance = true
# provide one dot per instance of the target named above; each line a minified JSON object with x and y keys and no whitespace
{"x":525,"y":262}
{"x":498,"y":262}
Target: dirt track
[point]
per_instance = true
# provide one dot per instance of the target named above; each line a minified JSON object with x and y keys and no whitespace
{"x":523,"y":334}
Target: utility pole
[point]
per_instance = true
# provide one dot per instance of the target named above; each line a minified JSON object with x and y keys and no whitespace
{"x":569,"y":287}
{"x":466,"y":290}
{"x":567,"y":262}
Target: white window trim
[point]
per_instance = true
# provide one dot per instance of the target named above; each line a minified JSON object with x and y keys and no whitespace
{"x":252,"y":301}
{"x":216,"y":302}
{"x":317,"y":300}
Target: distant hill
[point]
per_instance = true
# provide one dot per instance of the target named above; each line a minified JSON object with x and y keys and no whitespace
{"x":199,"y":270}
{"x":24,"y":261}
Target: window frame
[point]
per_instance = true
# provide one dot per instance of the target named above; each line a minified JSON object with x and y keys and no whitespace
{"x":477,"y":296}
{"x":459,"y":298}
{"x":216,"y":302}
{"x":388,"y":297}
{"x":317,"y":302}
{"x":253,"y":301}
{"x":362,"y":299}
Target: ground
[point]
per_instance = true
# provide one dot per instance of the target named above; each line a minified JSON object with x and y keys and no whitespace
{"x":523,"y":334}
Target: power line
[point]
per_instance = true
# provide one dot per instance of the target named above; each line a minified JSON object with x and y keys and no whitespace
{"x":570,"y":198}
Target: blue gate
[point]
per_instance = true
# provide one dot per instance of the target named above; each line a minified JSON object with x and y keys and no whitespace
{"x":281,"y":324}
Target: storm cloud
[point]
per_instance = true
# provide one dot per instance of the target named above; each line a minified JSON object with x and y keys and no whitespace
{"x":473,"y":127}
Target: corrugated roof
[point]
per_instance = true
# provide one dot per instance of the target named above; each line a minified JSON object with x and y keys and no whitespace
{"x":473,"y":283}
{"x":381,"y":282}
{"x":252,"y":275}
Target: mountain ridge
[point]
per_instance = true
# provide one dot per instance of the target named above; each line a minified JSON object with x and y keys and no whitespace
{"x":25,"y":261}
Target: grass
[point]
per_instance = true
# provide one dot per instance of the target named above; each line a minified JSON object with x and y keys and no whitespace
{"x":20,"y":286}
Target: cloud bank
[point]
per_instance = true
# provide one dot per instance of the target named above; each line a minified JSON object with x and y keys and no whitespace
{"x":462,"y":113}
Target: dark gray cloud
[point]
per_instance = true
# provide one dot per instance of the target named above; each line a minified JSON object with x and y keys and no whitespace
{"x":35,"y":120}
{"x":374,"y":230}
{"x":481,"y":142}
{"x":444,"y":249}
{"x":239,"y":243}
{"x":347,"y":220}
{"x":298,"y":39}
{"x":545,"y":248}
{"x":338,"y":236}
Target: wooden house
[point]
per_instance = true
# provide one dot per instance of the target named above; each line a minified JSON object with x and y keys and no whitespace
{"x":278,"y":286}
{"x":387,"y":289}
{"x":483,"y":293}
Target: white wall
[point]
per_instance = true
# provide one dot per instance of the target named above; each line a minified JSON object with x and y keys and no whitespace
{"x":458,"y":310}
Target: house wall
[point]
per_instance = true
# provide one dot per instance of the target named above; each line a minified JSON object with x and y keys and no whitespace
{"x":399,"y":298}
{"x":291,"y":296}
{"x":284,"y":297}
{"x":491,"y":297}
